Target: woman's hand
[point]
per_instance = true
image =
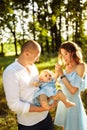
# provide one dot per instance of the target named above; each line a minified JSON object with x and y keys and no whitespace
{"x":58,"y":70}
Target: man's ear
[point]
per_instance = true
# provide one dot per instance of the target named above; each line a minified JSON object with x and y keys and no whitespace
{"x":27,"y":53}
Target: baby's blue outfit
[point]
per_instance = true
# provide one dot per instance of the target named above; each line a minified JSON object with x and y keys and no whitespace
{"x":73,"y":118}
{"x":47,"y":88}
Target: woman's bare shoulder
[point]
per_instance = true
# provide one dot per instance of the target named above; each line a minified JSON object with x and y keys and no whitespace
{"x":80,"y":69}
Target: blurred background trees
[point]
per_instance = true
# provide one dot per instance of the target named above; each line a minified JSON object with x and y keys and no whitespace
{"x":50,"y":22}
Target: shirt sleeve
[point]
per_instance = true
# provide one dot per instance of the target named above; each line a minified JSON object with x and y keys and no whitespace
{"x":11,"y":88}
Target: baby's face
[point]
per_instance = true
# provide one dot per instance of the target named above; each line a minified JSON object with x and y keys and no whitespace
{"x":45,"y":77}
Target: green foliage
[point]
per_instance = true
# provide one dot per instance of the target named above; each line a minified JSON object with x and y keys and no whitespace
{"x":47,"y":61}
{"x":84,"y":99}
{"x":4,"y":61}
{"x":53,"y":18}
{"x":84,"y":48}
{"x":48,"y":21}
{"x":9,"y":49}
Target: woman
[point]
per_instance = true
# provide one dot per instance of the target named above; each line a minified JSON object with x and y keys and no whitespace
{"x":71,"y":82}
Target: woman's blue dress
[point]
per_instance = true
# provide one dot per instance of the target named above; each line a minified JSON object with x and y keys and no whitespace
{"x":73,"y":118}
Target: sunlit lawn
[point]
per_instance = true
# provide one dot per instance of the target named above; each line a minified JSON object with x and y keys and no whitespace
{"x":7,"y":118}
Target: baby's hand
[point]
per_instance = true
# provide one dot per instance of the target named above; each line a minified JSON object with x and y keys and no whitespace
{"x":36,"y":84}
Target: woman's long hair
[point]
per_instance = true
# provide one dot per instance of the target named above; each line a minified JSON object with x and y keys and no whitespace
{"x":72,"y":48}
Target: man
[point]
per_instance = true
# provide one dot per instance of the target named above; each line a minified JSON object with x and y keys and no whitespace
{"x":17,"y":79}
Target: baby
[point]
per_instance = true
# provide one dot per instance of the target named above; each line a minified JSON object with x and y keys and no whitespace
{"x":47,"y":92}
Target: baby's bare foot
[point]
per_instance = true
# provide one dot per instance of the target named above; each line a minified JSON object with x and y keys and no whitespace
{"x":69,"y":104}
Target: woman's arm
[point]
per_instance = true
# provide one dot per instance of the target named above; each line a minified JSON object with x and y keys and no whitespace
{"x":80,"y":71}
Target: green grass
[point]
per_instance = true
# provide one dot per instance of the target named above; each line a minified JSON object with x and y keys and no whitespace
{"x":4,"y":61}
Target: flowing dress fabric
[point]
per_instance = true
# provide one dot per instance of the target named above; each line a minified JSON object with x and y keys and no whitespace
{"x":47,"y":88}
{"x":84,"y":84}
{"x":73,"y":118}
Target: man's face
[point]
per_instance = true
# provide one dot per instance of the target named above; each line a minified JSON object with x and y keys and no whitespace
{"x":32,"y":57}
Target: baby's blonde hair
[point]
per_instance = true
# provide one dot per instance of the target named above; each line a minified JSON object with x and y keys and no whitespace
{"x":48,"y":71}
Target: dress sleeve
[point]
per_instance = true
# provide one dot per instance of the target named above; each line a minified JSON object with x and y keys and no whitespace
{"x":84,"y":82}
{"x":76,"y":81}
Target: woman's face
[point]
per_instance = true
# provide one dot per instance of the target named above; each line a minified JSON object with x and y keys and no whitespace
{"x":67,"y":56}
